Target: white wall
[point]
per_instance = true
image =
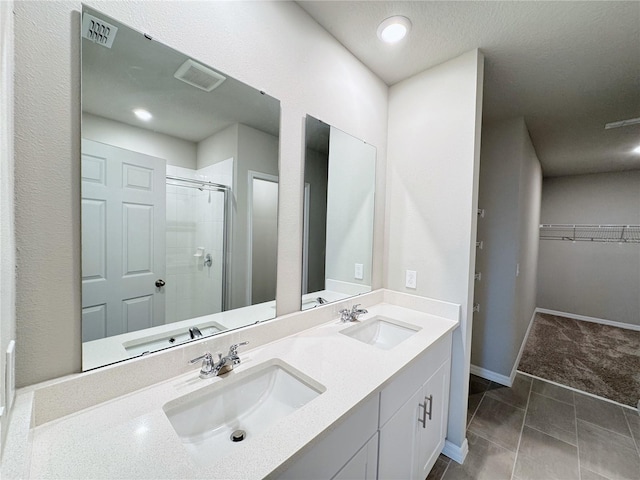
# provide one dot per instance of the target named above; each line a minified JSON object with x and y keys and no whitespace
{"x":257,"y":152}
{"x":175,"y":151}
{"x":350,"y":194}
{"x":433,"y":159}
{"x":600,"y":280}
{"x":510,"y":184}
{"x":528,"y":234}
{"x":273,"y":46}
{"x":218,"y":147}
{"x":7,"y":234}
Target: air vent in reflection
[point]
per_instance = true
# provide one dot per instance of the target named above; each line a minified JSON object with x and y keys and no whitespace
{"x":98,"y":31}
{"x":199,"y":76}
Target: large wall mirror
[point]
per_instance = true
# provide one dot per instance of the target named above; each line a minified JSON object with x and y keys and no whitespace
{"x":179,"y":177}
{"x":339,"y":176}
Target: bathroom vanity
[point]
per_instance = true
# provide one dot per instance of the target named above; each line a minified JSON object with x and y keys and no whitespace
{"x":367,"y":399}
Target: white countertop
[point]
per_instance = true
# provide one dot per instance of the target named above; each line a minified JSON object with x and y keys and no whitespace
{"x":131,"y":437}
{"x":104,"y":351}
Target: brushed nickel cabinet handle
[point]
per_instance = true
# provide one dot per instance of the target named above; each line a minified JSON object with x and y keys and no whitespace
{"x":430,"y":400}
{"x":423,"y":420}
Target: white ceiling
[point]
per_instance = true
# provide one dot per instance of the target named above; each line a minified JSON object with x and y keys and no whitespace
{"x":567,"y":67}
{"x":138,"y":73}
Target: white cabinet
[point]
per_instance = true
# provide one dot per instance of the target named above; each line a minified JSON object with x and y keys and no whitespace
{"x":410,"y":416}
{"x":340,"y":447}
{"x":431,"y":435}
{"x":364,"y":465}
{"x":412,"y":439}
{"x":397,"y":440}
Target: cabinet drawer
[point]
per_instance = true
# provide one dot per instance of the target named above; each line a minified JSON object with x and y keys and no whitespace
{"x":330,"y":454}
{"x":396,"y":393}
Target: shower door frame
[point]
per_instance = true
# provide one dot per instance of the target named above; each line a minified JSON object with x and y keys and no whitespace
{"x":226,"y":227}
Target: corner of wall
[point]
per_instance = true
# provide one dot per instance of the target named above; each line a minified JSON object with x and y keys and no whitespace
{"x":7,"y":218}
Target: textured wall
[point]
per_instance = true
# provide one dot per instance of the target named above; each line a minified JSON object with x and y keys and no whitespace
{"x":500,"y":163}
{"x":433,"y":163}
{"x":175,"y":151}
{"x":350,"y":193}
{"x":600,"y":280}
{"x":7,"y":234}
{"x":273,"y":46}
{"x":510,"y":184}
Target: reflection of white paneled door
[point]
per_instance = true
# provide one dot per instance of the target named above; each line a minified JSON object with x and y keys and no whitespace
{"x":123,"y":240}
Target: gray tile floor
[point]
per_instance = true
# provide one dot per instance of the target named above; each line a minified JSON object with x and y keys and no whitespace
{"x":537,"y":430}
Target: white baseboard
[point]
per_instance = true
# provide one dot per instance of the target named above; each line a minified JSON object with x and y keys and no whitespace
{"x":498,"y":377}
{"x":514,"y":370}
{"x":491,"y":375}
{"x":454,"y":452}
{"x":628,"y":326}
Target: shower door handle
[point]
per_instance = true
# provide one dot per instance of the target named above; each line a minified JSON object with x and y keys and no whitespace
{"x":160,"y":283}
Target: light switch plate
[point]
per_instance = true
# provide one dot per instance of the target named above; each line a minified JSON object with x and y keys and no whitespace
{"x":359,"y":271}
{"x":411,"y":279}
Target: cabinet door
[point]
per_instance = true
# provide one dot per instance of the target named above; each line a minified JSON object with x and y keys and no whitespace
{"x":330,"y":454}
{"x":398,"y":438}
{"x":430,"y":438}
{"x":364,"y":464}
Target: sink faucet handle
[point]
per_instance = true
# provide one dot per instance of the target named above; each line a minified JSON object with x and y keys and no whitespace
{"x":355,"y":307}
{"x":206,"y":357}
{"x":233,"y":349}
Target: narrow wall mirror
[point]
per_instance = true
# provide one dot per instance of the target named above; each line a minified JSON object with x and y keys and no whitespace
{"x":339,"y":176}
{"x":179,"y":175}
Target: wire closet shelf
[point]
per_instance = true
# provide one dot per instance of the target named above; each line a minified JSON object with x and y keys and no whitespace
{"x":591,"y":233}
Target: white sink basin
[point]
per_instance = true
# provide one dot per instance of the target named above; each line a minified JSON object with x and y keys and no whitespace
{"x":381,"y":332}
{"x":167,"y":339}
{"x":250,"y":401}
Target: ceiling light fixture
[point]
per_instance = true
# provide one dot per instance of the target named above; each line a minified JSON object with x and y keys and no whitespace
{"x":637,"y":150}
{"x":142,"y":114}
{"x":394,"y":29}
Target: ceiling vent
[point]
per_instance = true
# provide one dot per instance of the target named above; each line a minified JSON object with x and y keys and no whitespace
{"x":98,"y":31}
{"x":199,"y":76}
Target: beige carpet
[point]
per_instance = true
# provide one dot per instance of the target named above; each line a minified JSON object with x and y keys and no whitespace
{"x":591,"y":357}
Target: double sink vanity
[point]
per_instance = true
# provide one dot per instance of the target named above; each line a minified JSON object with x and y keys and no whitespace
{"x":332,"y":399}
{"x":179,"y":216}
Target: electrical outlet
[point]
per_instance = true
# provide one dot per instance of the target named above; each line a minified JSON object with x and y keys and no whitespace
{"x":411,"y":279}
{"x":359,"y":271}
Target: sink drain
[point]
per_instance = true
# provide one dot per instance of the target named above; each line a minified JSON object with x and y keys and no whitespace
{"x":238,"y":436}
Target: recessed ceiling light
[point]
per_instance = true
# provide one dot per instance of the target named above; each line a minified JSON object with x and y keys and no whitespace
{"x":142,"y":114}
{"x":394,"y":29}
{"x":637,"y":149}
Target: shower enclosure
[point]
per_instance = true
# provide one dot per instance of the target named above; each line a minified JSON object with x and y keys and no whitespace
{"x":197,"y":229}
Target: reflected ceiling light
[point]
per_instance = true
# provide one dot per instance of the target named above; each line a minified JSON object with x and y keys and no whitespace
{"x":637,"y":150}
{"x":142,"y":114}
{"x":394,"y":29}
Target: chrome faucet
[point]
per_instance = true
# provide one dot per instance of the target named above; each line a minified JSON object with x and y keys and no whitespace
{"x":223,"y":365}
{"x":352,"y":315}
{"x":194,"y":332}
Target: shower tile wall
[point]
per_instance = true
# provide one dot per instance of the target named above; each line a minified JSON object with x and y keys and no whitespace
{"x":195,"y":219}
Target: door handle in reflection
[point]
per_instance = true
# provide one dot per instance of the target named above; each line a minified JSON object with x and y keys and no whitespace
{"x":160,"y":283}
